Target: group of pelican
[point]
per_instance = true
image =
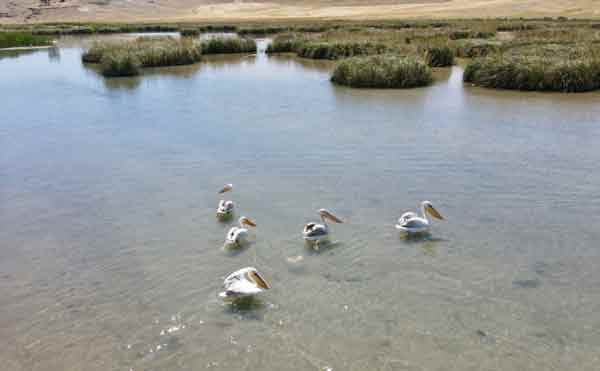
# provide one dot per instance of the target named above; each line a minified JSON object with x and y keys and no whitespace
{"x":248,"y":282}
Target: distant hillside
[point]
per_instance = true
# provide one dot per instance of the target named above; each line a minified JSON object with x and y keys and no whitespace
{"x":240,"y":10}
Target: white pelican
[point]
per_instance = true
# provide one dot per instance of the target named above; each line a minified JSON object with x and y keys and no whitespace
{"x":243,"y":283}
{"x":225,"y":209}
{"x":410,"y":222}
{"x":316,"y":233}
{"x":237,"y":236}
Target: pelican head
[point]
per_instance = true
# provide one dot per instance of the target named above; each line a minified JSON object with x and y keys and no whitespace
{"x":245,"y":221}
{"x":428,"y":207}
{"x":325,"y":214}
{"x":255,"y":277}
{"x":226,"y":188}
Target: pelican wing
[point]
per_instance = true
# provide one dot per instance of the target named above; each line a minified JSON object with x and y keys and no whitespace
{"x":414,"y":223}
{"x":315,"y":230}
{"x":242,"y":287}
{"x":406,"y":216}
{"x":225,"y":205}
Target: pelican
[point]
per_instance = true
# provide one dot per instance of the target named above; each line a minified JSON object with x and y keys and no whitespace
{"x":410,"y":222}
{"x":225,"y":209}
{"x":243,"y":283}
{"x":237,"y":236}
{"x":316,"y":233}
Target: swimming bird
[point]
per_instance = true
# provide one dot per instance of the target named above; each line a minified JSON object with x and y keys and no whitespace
{"x":243,"y":283}
{"x":225,"y":208}
{"x":410,"y":222}
{"x":316,"y":233}
{"x":238,"y":236}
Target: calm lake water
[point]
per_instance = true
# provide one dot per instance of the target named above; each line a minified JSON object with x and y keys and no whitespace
{"x":110,"y":254}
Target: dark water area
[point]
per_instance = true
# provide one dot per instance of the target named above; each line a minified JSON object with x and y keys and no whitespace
{"x":111,"y":258}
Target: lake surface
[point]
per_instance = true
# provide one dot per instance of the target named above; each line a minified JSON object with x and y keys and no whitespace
{"x":111,"y":258}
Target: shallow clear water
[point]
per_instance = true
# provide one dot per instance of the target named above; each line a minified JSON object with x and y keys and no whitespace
{"x":110,"y":254}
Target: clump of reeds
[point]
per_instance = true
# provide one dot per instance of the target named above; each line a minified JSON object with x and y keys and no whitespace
{"x":120,"y":64}
{"x":338,"y":50}
{"x":382,"y":71}
{"x":577,"y":72}
{"x":471,"y":48}
{"x":439,"y":56}
{"x":468,"y":34}
{"x":21,"y":39}
{"x":166,"y":51}
{"x":285,"y":43}
{"x":227,"y":45}
{"x":145,"y":51}
{"x":97,"y":50}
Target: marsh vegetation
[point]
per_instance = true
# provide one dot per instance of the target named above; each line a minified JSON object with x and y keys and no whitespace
{"x":126,"y":58}
{"x":499,"y":53}
{"x":549,"y":67}
{"x":228,"y":45}
{"x":548,"y":55}
{"x":382,"y":71}
{"x":22,"y":39}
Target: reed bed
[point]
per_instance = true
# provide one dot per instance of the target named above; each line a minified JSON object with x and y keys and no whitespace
{"x":22,"y":39}
{"x":439,"y":56}
{"x":228,"y":45}
{"x":382,"y":71}
{"x":120,"y":58}
{"x":286,"y":43}
{"x":339,"y":50}
{"x":555,"y":67}
{"x":473,"y":48}
{"x":120,"y":64}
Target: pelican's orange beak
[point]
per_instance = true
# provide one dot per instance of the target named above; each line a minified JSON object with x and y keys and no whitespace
{"x":433,"y":212}
{"x":249,"y":222}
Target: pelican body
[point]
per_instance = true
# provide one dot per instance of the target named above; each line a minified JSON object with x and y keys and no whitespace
{"x":412,"y":223}
{"x":225,"y":208}
{"x":243,"y":283}
{"x":238,"y":236}
{"x":316,"y":233}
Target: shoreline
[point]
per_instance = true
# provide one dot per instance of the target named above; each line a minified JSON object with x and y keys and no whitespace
{"x":27,"y":48}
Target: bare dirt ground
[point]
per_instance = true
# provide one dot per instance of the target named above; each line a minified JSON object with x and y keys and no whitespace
{"x":18,"y":11}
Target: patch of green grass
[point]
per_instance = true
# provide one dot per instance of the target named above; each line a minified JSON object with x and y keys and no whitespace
{"x":22,"y":39}
{"x":382,"y":71}
{"x":227,"y":45}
